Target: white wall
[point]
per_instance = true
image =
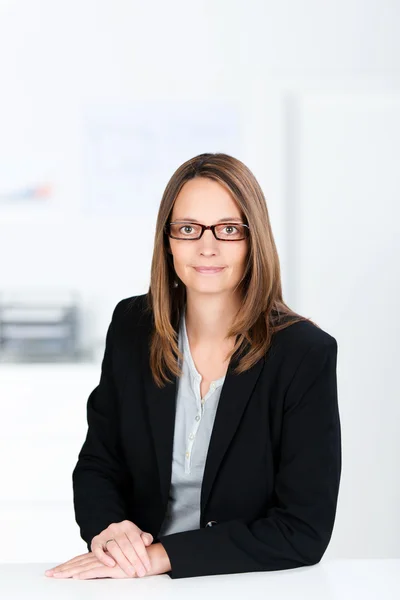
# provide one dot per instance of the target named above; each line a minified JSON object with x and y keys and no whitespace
{"x":316,"y":85}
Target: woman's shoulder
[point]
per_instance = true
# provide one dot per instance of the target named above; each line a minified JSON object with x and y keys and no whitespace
{"x":298,"y":338}
{"x":300,"y":352}
{"x":129,"y":326}
{"x":131,"y":312}
{"x":132,"y":306}
{"x":301,"y":348}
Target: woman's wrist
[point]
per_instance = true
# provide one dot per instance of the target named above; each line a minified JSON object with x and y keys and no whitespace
{"x":159,"y":559}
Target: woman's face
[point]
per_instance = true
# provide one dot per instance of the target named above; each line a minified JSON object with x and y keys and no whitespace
{"x":207,"y":202}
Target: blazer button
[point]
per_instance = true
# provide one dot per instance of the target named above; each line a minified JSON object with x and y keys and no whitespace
{"x":211,"y":523}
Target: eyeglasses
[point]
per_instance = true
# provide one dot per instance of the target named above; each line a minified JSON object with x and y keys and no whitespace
{"x":228,"y":232}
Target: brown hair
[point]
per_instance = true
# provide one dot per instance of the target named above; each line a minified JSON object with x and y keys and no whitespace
{"x":263,"y":311}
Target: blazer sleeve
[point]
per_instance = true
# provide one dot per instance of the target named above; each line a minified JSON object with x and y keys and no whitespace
{"x":99,"y":475}
{"x":296,"y":531}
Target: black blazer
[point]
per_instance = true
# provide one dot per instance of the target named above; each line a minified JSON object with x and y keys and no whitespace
{"x":272,"y":474}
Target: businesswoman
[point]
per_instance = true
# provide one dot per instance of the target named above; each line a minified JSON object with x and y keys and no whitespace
{"x":213,"y":442}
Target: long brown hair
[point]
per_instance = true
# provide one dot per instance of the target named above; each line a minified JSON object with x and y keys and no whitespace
{"x":262,"y":312}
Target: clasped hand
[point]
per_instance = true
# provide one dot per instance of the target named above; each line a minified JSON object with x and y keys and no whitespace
{"x":87,"y":566}
{"x":116,"y":559}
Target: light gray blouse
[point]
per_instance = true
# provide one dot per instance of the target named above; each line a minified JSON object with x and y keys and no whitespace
{"x":194,"y":420}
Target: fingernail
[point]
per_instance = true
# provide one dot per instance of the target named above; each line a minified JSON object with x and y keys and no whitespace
{"x":141,"y":571}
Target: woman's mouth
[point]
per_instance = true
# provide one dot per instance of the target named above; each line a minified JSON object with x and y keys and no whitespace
{"x":209,"y":270}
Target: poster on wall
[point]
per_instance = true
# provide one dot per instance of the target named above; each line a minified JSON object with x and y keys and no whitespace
{"x":130,"y":151}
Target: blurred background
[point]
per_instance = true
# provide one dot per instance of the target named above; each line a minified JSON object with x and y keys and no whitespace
{"x":100,"y":102}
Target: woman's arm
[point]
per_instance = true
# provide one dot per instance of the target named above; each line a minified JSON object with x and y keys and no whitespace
{"x":99,"y":476}
{"x":298,"y":528}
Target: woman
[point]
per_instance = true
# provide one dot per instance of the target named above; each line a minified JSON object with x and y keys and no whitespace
{"x":214,"y":441}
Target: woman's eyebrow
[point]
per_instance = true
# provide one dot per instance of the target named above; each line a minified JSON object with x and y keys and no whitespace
{"x":220,"y":220}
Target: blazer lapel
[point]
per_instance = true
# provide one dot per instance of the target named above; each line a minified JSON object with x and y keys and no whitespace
{"x":161,"y":403}
{"x":235,"y":394}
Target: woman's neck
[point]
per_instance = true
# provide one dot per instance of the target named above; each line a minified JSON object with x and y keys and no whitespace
{"x":209,"y":319}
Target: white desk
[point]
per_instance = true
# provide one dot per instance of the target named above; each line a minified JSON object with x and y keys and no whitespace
{"x":336,"y":579}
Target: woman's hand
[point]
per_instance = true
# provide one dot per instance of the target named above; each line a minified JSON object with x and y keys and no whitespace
{"x":127,"y":548}
{"x":88,"y":566}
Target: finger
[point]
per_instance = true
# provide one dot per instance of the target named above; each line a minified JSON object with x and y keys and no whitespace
{"x":76,"y":558}
{"x":99,"y":548}
{"x":98,"y":551}
{"x":139,"y":547}
{"x":101,"y":571}
{"x":147,"y":538}
{"x":114,"y":548}
{"x":76,"y":567}
{"x":67,"y":563}
{"x":132,"y":545}
{"x":106,"y":556}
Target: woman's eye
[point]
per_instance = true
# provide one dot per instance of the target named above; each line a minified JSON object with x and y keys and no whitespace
{"x":187,"y":227}
{"x":229,"y":227}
